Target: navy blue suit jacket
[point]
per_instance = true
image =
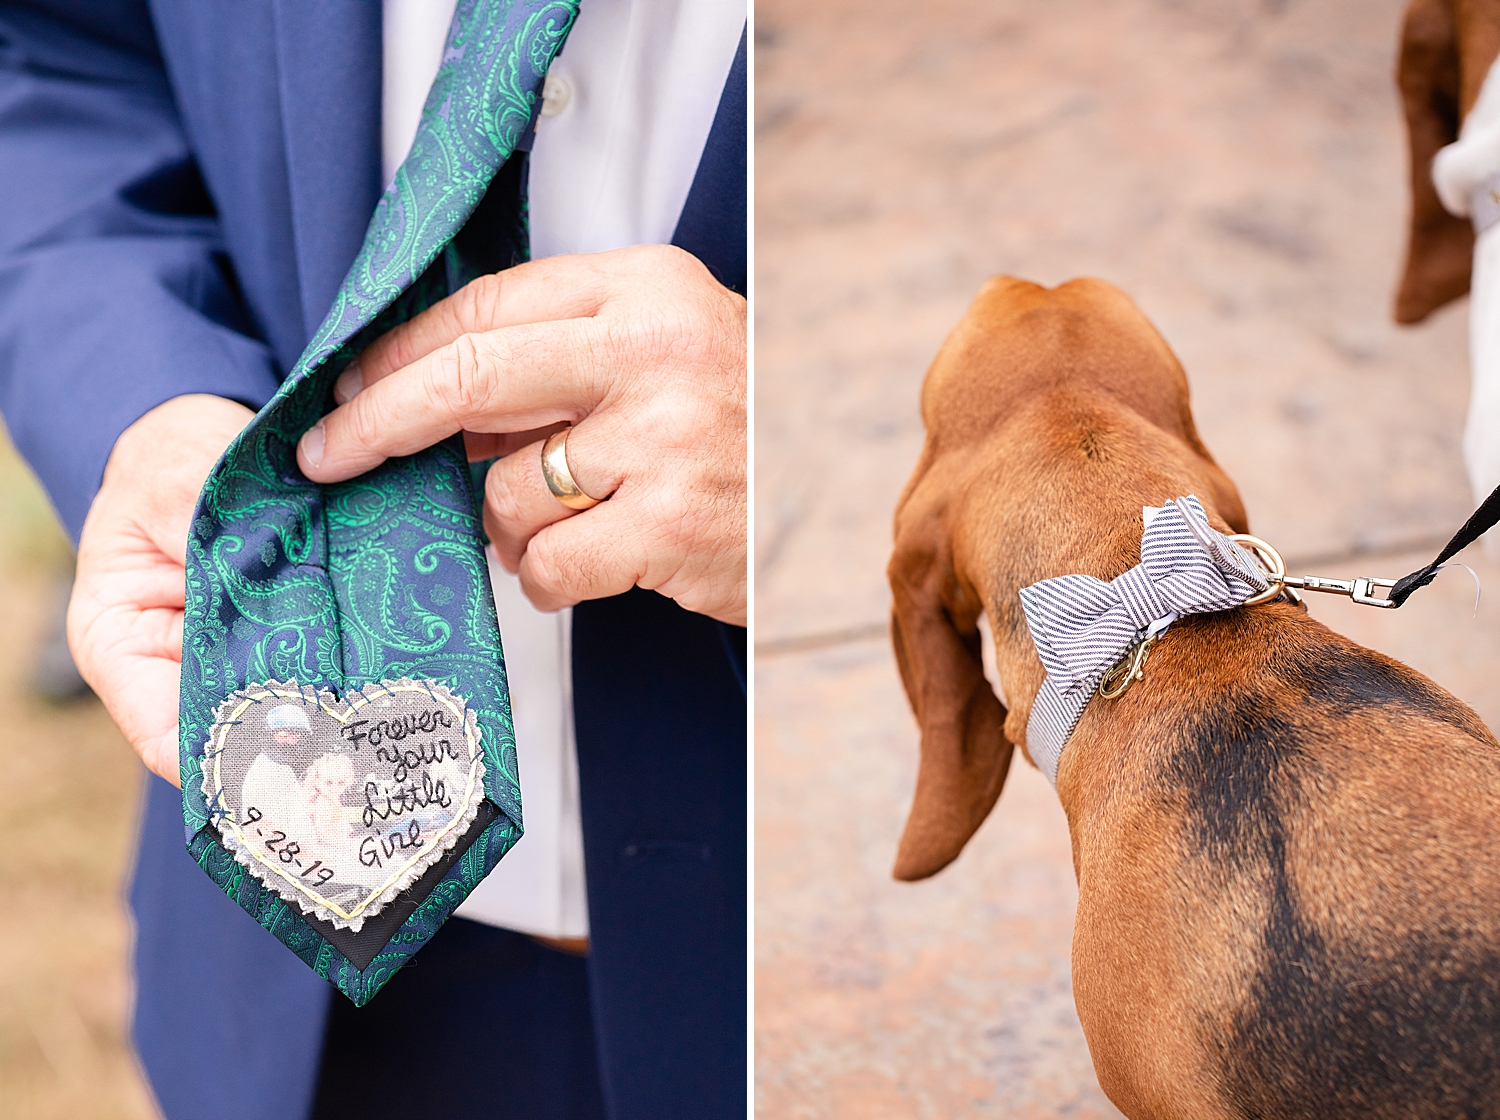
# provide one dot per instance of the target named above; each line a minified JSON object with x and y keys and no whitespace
{"x":182,"y":186}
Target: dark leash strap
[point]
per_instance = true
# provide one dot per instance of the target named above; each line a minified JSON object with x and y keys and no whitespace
{"x":1483,"y":518}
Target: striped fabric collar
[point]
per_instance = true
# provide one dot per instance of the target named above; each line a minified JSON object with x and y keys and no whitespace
{"x":1082,"y":625}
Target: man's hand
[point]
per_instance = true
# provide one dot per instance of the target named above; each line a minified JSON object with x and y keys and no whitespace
{"x":643,"y":352}
{"x":125,"y":618}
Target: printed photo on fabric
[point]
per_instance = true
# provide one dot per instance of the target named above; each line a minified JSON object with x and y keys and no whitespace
{"x":338,"y":806}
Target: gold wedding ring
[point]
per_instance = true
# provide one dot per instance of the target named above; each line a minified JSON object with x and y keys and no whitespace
{"x":559,"y":477}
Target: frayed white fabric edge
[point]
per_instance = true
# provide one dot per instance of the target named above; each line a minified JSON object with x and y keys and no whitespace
{"x":456,"y":830}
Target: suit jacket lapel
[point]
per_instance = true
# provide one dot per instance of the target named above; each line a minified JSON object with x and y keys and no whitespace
{"x":328,"y":56}
{"x":713,"y":219}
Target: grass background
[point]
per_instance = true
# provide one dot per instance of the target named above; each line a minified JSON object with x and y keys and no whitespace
{"x":70,"y":789}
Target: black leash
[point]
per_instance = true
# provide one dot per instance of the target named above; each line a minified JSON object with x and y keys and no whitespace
{"x":1483,"y":518}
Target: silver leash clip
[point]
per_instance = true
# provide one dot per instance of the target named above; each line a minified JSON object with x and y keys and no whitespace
{"x":1361,"y":590}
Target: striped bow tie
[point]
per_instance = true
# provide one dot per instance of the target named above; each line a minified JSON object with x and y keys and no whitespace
{"x":1082,"y":625}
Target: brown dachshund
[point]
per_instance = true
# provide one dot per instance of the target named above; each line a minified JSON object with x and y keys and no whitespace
{"x":1287,"y":846}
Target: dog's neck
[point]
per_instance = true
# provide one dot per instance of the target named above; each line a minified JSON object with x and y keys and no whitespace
{"x":1011,"y":660}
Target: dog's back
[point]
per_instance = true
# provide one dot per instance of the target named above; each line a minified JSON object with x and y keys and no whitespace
{"x":1303,"y":832}
{"x":1286,"y":846}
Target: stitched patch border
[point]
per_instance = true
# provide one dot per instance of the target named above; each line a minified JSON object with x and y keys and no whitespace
{"x":274,"y":872}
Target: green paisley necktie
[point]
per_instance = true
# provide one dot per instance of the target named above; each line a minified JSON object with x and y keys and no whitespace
{"x":348,"y":760}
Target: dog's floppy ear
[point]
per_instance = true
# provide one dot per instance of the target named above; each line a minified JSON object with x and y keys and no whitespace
{"x":1440,"y":247}
{"x":965,"y":755}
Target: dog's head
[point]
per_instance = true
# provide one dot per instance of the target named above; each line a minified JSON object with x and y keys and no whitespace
{"x":1447,"y":47}
{"x":1052,"y":416}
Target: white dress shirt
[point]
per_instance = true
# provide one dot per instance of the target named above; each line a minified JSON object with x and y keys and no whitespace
{"x":627,"y":110}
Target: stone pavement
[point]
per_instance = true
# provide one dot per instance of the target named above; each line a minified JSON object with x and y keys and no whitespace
{"x":1239,"y":170}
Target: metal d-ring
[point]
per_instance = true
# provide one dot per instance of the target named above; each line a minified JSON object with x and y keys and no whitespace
{"x":1271,"y":564}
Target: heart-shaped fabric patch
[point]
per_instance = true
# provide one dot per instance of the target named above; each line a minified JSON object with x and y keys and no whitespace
{"x":339,"y":805}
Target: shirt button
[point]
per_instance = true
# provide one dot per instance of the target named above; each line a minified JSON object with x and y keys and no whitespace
{"x":557,"y":92}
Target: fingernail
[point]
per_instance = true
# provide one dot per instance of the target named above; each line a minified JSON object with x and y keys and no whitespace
{"x":312,"y":444}
{"x":350,"y":382}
